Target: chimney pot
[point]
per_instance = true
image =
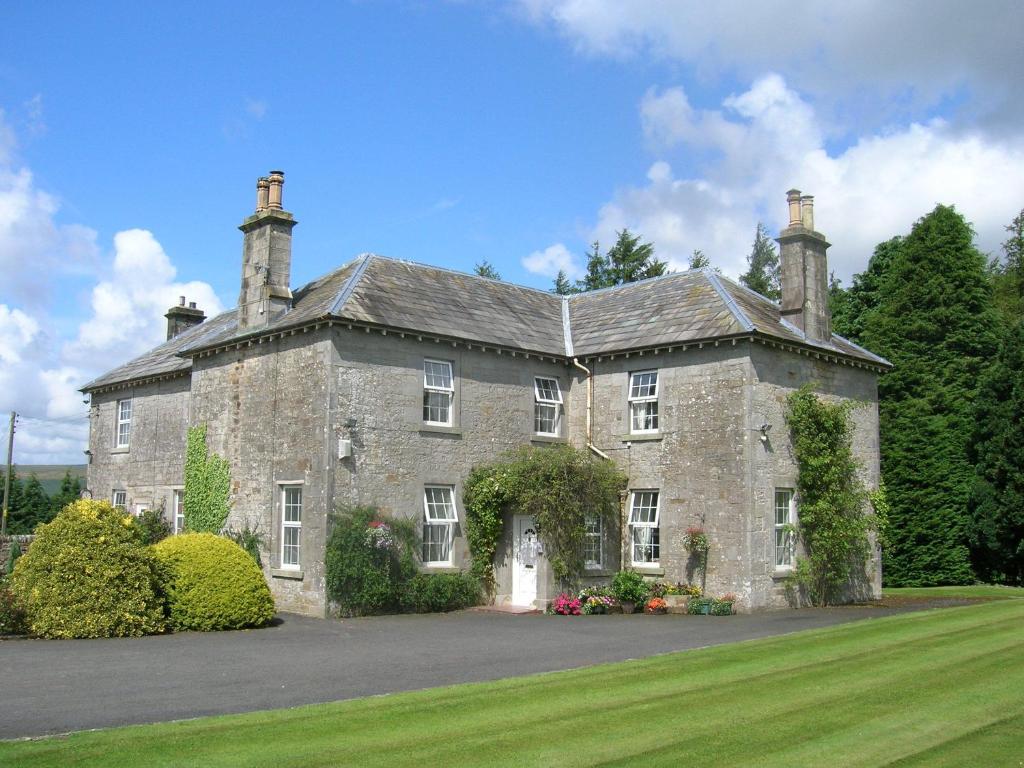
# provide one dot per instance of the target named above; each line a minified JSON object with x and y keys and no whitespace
{"x":191,"y":305}
{"x":276,"y":181}
{"x":181,"y":301}
{"x":793,"y":198}
{"x":262,"y":193}
{"x":807,"y":211}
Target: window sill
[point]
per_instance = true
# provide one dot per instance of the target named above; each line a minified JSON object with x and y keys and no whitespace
{"x":649,"y":570}
{"x":548,"y":439}
{"x":597,"y":572}
{"x":125,"y":449}
{"x":781,"y":573}
{"x":439,"y":568}
{"x":286,"y":573}
{"x":438,"y":429}
{"x":643,"y":437}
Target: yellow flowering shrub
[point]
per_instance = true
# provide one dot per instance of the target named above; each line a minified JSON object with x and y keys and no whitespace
{"x":89,"y":574}
{"x":212,"y":583}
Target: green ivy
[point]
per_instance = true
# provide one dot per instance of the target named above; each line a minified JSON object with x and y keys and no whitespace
{"x":559,"y":486}
{"x":207,"y":485}
{"x":834,"y":522}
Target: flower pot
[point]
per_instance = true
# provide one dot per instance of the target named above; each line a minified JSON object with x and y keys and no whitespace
{"x":627,"y":607}
{"x":705,"y":609}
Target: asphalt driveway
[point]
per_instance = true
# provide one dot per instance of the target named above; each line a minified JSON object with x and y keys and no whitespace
{"x":56,"y":686}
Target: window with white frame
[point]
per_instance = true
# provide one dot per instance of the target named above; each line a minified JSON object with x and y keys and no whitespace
{"x":291,"y":526}
{"x":123,"y":434}
{"x":119,"y":498}
{"x":785,"y":518}
{"x":178,"y":509}
{"x":547,"y":409}
{"x":593,"y":542}
{"x":439,"y":518}
{"x":643,"y":528}
{"x":438,"y":391}
{"x":643,"y":401}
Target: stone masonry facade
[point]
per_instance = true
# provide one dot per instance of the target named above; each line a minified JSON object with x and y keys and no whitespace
{"x":332,"y":411}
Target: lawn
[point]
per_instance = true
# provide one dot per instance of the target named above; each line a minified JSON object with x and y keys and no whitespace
{"x":980,"y":590}
{"x":936,"y":688}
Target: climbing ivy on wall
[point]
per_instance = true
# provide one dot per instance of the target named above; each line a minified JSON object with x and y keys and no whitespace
{"x":835,"y":514}
{"x":559,"y":486}
{"x":207,"y":485}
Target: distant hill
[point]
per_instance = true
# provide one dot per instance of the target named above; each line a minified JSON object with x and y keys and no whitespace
{"x":50,"y":475}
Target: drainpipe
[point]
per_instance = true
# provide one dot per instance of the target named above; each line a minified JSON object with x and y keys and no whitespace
{"x":590,"y":407}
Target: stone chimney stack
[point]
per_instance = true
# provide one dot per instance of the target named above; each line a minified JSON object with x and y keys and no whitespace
{"x":266,"y":257}
{"x":804,"y":270}
{"x":181,"y":318}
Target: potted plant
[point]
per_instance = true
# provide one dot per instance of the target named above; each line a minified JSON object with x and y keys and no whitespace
{"x":697,"y":544}
{"x":701,"y":606}
{"x":629,"y":588}
{"x":566,"y":605}
{"x":723,"y":606}
{"x":656,"y":605}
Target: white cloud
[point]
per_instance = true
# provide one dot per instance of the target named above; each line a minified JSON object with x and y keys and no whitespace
{"x":767,"y":140}
{"x":552,"y":259}
{"x":128,"y":309}
{"x":897,"y":56}
{"x":256,"y":108}
{"x":17,"y":330}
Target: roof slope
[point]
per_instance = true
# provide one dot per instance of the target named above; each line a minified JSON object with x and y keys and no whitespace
{"x":678,"y":308}
{"x":416,"y":297}
{"x":165,"y":358}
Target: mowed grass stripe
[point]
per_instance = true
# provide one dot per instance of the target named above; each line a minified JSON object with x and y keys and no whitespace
{"x":859,"y":694}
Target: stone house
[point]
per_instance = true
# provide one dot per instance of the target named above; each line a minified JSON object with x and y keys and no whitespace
{"x":384,"y":382}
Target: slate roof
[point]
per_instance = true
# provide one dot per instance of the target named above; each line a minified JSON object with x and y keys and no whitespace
{"x":678,"y":308}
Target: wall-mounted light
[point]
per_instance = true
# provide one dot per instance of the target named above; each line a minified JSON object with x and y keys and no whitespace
{"x":765,"y":429}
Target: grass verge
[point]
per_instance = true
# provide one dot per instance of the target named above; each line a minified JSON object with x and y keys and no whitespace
{"x":941,"y":687}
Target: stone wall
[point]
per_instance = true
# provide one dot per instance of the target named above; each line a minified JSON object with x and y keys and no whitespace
{"x":773,"y":465}
{"x":377,"y":403}
{"x":265,"y":407}
{"x":696,"y":460}
{"x":5,"y":548}
{"x":154,"y":461}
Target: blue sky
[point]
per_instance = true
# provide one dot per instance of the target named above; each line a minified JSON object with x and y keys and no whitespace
{"x":131,"y":138}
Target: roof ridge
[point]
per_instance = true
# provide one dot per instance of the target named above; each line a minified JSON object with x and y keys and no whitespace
{"x":666,"y":276}
{"x":508,"y":283}
{"x":730,"y":302}
{"x":749,"y":290}
{"x":350,"y":284}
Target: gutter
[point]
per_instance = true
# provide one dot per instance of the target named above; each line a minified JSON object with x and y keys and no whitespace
{"x":590,"y":406}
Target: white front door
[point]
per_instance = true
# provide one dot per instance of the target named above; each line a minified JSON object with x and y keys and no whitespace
{"x":527,"y":551}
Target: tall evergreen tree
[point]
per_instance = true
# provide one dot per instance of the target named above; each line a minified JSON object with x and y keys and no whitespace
{"x":597,"y":270}
{"x":936,"y":323}
{"x":34,"y":508}
{"x":70,"y":490}
{"x":762,"y":273}
{"x":486,"y":269}
{"x":997,"y":450}
{"x":562,"y":285}
{"x":1008,"y":275}
{"x":863,"y":295}
{"x":699,"y":260}
{"x":627,"y":261}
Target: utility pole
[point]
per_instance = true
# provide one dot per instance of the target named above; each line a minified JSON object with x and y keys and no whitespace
{"x":7,"y":477}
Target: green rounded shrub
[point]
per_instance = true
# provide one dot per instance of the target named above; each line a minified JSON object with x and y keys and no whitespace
{"x":211,"y":583}
{"x":437,"y":592}
{"x":89,"y":574}
{"x":630,"y":587}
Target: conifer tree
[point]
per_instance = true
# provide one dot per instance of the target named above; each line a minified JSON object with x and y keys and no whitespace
{"x":486,"y":269}
{"x":863,"y":295}
{"x":562,"y":285}
{"x":1008,"y":275}
{"x":627,"y":261}
{"x":935,"y":322}
{"x":34,"y":508}
{"x":997,"y":450}
{"x":762,"y":273}
{"x":16,"y":497}
{"x":70,"y":490}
